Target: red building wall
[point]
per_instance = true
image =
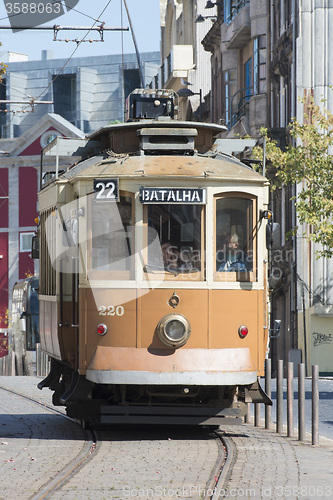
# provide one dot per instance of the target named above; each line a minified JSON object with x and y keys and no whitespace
{"x":3,"y":247}
{"x":3,"y":279}
{"x":27,"y":196}
{"x":27,"y":214}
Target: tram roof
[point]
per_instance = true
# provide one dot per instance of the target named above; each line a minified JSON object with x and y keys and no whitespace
{"x":211,"y":165}
{"x":213,"y":128}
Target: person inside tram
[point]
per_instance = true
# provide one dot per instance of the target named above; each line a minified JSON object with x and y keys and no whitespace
{"x":171,"y":256}
{"x":232,"y":258}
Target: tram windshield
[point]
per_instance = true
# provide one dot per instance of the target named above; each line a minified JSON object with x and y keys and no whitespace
{"x":235,"y":256}
{"x":112,"y":240}
{"x":179,"y":228}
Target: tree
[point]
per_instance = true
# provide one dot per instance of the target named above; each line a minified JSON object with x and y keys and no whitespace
{"x":3,"y":68}
{"x":309,"y":164}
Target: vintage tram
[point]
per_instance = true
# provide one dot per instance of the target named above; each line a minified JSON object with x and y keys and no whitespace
{"x":153,"y":274}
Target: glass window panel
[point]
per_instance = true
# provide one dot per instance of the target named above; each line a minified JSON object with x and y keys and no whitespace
{"x":262,"y":71}
{"x":262,"y":86}
{"x":234,"y":237}
{"x":262,"y":56}
{"x":111,"y":243}
{"x":179,"y":228}
{"x":25,"y":241}
{"x":262,"y":41}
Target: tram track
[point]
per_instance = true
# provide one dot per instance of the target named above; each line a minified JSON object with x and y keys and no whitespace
{"x":91,"y":446}
{"x":106,"y":441}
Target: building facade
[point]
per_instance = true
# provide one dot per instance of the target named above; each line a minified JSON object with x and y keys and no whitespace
{"x":185,"y":64}
{"x":89,"y":92}
{"x":19,"y":181}
{"x":264,"y":56}
{"x":314,"y":276}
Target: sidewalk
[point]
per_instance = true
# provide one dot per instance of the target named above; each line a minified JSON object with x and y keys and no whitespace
{"x":271,"y":466}
{"x":265,"y":465}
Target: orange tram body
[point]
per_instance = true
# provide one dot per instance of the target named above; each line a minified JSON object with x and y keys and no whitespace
{"x":153,"y":274}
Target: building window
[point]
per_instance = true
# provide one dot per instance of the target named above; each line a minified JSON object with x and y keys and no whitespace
{"x":259,"y":65}
{"x":231,"y":9}
{"x":132,"y":80}
{"x":229,"y":91}
{"x":25,"y":241}
{"x":248,"y":79}
{"x":64,"y":96}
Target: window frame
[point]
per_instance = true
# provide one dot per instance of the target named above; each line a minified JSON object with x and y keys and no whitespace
{"x":24,"y":249}
{"x":168,"y":276}
{"x":103,"y":275}
{"x":234,"y":277}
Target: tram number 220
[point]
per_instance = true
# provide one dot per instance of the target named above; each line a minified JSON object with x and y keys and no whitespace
{"x":111,"y":311}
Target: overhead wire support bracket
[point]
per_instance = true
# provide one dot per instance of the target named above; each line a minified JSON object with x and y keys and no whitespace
{"x":101,"y":28}
{"x":56,"y":28}
{"x":32,"y":102}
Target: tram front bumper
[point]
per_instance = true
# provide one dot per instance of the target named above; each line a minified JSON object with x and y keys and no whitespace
{"x":126,"y":365}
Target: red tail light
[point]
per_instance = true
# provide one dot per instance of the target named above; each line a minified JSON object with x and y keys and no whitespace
{"x":243,"y":331}
{"x":102,"y":329}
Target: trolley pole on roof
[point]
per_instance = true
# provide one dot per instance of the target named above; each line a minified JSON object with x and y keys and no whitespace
{"x":136,"y":46}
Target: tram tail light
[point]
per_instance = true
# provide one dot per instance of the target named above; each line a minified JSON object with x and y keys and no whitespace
{"x":243,"y":331}
{"x":102,"y":329}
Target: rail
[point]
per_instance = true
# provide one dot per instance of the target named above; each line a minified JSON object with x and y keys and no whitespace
{"x":234,"y":9}
{"x":242,"y":107}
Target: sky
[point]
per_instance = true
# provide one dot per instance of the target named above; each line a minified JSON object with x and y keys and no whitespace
{"x":145,"y":17}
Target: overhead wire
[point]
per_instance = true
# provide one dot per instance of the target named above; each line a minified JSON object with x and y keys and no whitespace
{"x":53,"y":2}
{"x":76,"y":48}
{"x":64,"y":65}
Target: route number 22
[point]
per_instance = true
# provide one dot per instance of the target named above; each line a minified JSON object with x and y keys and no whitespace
{"x":106,"y":189}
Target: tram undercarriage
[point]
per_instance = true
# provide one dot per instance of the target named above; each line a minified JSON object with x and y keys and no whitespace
{"x":145,"y":404}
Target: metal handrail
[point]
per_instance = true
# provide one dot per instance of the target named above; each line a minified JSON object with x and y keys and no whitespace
{"x":235,"y":9}
{"x":241,"y":106}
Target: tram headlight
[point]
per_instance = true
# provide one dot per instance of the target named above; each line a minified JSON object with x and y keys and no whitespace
{"x":174,"y":330}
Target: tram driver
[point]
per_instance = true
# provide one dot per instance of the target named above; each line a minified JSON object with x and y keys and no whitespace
{"x":232,"y":258}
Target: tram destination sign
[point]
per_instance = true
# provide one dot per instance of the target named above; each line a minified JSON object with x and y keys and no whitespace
{"x":196,"y":196}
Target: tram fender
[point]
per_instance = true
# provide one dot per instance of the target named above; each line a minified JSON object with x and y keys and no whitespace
{"x":255,"y":394}
{"x":78,"y":390}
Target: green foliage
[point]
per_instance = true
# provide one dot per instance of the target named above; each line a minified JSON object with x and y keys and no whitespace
{"x":3,"y":68}
{"x":309,"y":164}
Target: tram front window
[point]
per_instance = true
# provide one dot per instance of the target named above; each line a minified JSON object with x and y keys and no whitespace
{"x":111,"y":237}
{"x":234,"y":239}
{"x":179,"y":229}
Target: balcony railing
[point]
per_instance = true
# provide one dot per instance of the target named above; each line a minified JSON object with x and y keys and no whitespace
{"x":241,"y":107}
{"x":235,"y":7}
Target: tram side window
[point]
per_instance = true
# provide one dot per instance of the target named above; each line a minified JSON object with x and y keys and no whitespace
{"x":179,"y":229}
{"x":234,"y":238}
{"x":32,"y":333}
{"x":111,"y":232}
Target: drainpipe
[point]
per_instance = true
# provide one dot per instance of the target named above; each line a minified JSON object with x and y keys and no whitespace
{"x":294,"y":220}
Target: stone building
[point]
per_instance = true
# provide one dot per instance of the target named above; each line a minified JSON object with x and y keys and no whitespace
{"x":264,"y":56}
